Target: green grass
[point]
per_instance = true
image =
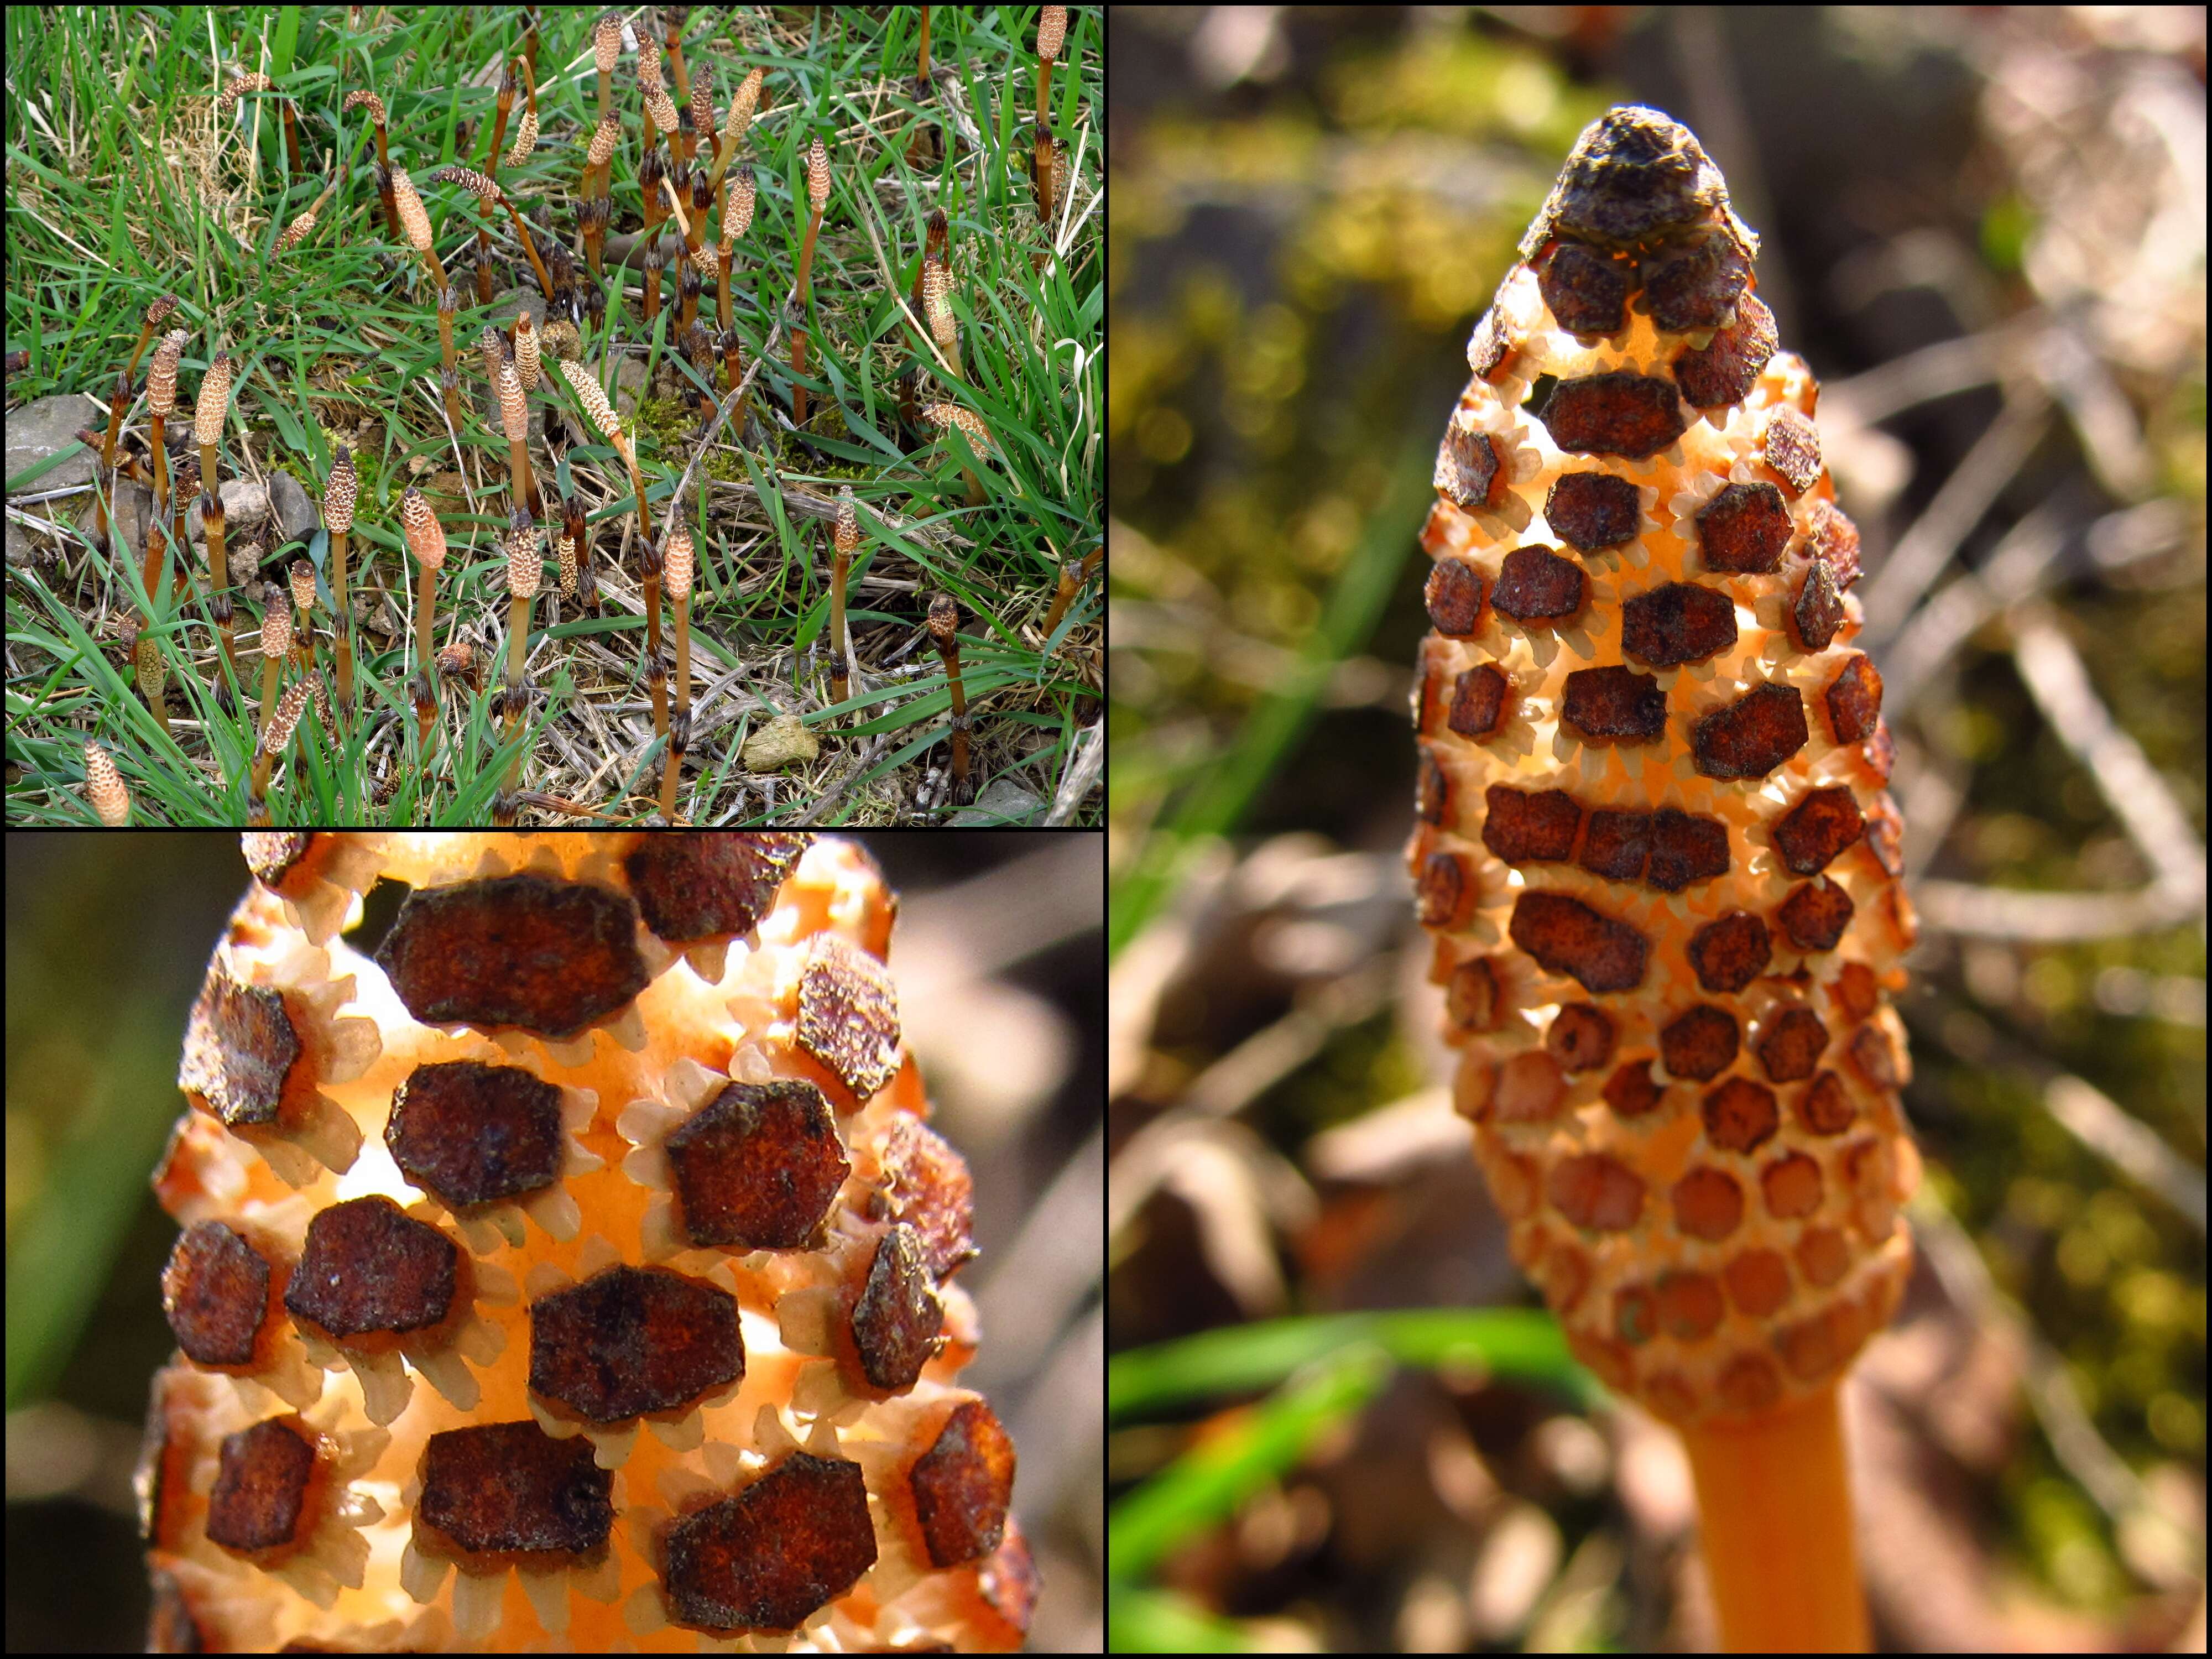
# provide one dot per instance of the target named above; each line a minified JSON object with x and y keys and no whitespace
{"x":123,"y":187}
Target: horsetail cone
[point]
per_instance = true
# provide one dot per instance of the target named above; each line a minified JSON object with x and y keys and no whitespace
{"x":1654,"y":847}
{"x":615,"y":1132}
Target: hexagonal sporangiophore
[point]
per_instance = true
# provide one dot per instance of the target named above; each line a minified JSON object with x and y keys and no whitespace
{"x":547,"y":956}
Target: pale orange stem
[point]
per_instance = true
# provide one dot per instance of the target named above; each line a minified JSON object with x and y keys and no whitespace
{"x":1775,"y":1503}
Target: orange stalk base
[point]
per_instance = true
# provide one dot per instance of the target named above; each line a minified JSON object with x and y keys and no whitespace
{"x":1775,"y":1505}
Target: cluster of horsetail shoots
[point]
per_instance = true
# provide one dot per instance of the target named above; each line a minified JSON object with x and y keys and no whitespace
{"x":426,"y":540}
{"x":208,"y":416}
{"x":339,"y":497}
{"x":944,"y":621}
{"x":818,"y":196}
{"x":676,"y":569}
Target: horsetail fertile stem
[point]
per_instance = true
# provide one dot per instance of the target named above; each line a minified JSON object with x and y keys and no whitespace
{"x":156,"y":314}
{"x":672,"y":21}
{"x":598,"y":162}
{"x":737,"y":219}
{"x":606,"y":47}
{"x":161,"y":404}
{"x":677,"y":570}
{"x":595,"y":405}
{"x":1072,"y":577}
{"x":650,"y":171}
{"x":414,"y":220}
{"x":843,"y":540}
{"x":1052,"y":26}
{"x":747,"y":99}
{"x":946,"y":415}
{"x":103,"y":787}
{"x":339,"y":495}
{"x":944,"y":617}
{"x":937,"y":304}
{"x":426,"y":540}
{"x":276,"y":644}
{"x":817,"y":194}
{"x":303,"y":623}
{"x":515,"y":417}
{"x":505,"y":106}
{"x":573,"y":531}
{"x":207,"y":416}
{"x":523,"y":565}
{"x":299,"y":230}
{"x":227,"y":100}
{"x":488,"y":195}
{"x":274,"y":737}
{"x":374,"y":106}
{"x":147,"y":654}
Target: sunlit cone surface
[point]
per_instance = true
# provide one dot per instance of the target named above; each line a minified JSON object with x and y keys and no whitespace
{"x":1654,"y":846}
{"x":303,"y":580}
{"x":576,"y":1275}
{"x":662,"y":108}
{"x":276,"y":628}
{"x":103,"y":786}
{"x":1052,"y":28}
{"x":606,"y":42}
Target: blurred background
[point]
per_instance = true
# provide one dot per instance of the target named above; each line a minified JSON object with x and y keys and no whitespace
{"x":1000,"y":984}
{"x":1985,"y":229}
